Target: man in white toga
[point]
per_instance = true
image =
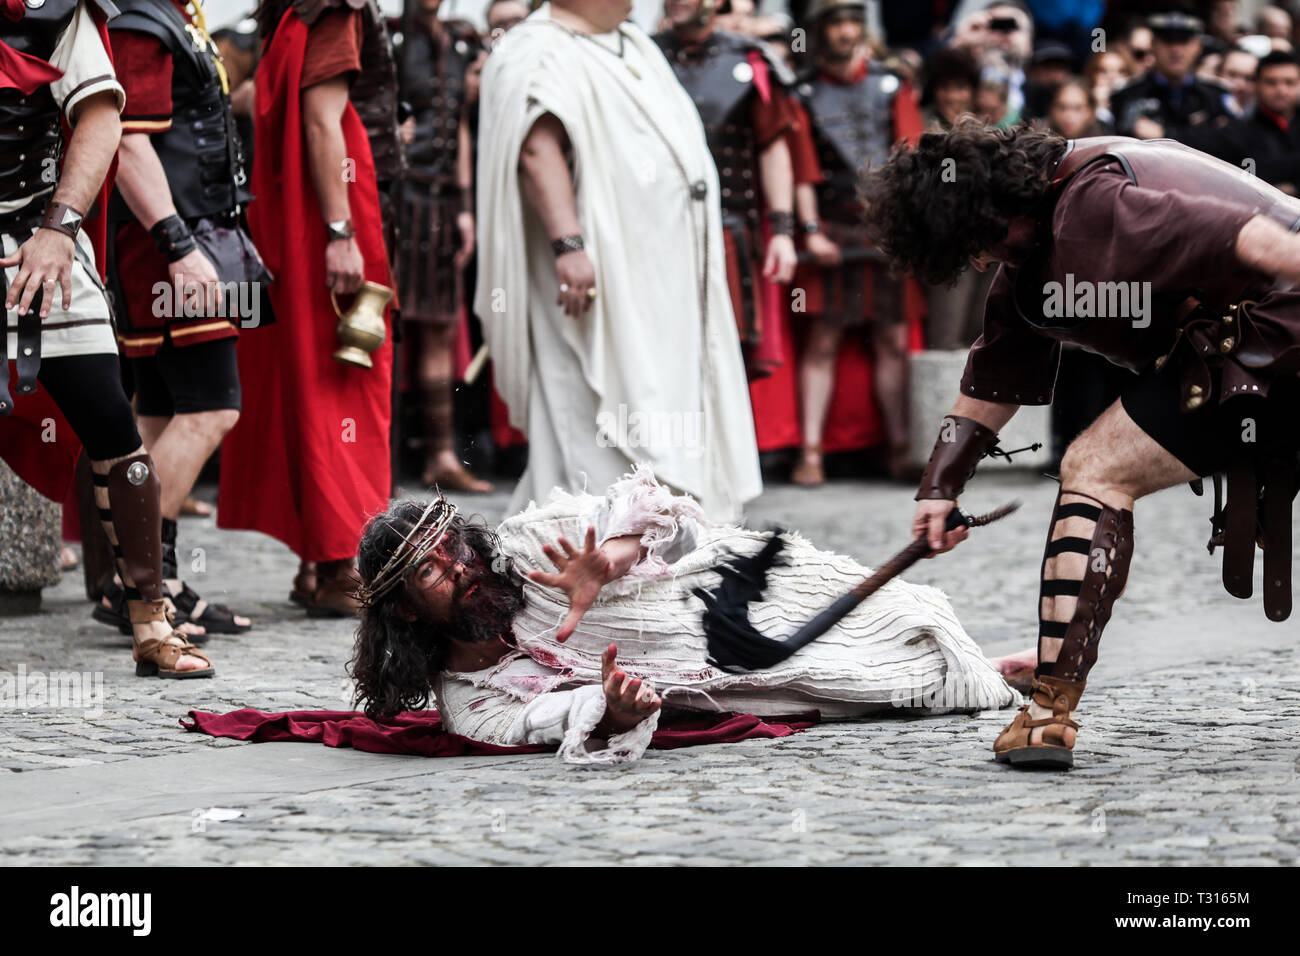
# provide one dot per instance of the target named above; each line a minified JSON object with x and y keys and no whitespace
{"x":601,"y":282}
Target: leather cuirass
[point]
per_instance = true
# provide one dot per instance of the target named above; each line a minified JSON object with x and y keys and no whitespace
{"x":853,"y":128}
{"x":30,"y":132}
{"x":720,"y":80}
{"x":374,"y":95}
{"x":1159,"y":166}
{"x":200,"y":152}
{"x":432,"y":81}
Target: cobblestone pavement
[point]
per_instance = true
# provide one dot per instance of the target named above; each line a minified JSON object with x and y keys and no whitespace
{"x":1188,"y":752}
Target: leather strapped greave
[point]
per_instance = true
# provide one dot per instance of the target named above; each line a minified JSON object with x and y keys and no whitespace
{"x":134,"y":520}
{"x":1095,"y":581}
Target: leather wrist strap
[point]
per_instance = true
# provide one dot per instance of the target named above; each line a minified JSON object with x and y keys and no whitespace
{"x":173,"y":238}
{"x":962,"y":442}
{"x":566,"y":244}
{"x":62,"y":218}
{"x":782,"y":223}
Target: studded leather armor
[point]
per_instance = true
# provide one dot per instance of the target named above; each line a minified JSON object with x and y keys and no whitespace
{"x":853,"y":127}
{"x":201,"y":152}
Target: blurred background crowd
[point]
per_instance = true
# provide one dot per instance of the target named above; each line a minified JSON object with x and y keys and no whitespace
{"x":827,"y":341}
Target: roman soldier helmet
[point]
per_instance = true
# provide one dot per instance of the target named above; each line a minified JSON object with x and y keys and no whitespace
{"x":823,"y":8}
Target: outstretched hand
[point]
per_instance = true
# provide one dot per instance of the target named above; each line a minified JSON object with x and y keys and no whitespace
{"x":628,"y":700}
{"x":580,"y":575}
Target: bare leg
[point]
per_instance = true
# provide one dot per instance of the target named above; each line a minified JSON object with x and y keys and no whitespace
{"x":181,"y":447}
{"x":442,"y":465}
{"x":1113,"y":462}
{"x":816,"y":386}
{"x":889,"y":379}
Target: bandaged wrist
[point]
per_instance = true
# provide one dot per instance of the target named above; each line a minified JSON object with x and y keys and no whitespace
{"x":962,"y":442}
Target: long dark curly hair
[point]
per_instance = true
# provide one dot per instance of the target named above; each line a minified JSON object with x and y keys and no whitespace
{"x":395,"y":660}
{"x":952,"y":197}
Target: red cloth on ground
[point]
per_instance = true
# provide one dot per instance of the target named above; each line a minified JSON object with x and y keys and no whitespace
{"x":420,"y":732}
{"x":309,"y":460}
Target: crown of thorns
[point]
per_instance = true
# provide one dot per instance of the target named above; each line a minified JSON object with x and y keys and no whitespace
{"x":416,"y":544}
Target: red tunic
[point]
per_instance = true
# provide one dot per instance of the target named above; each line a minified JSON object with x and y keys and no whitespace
{"x":308,"y":462}
{"x":144,"y":68}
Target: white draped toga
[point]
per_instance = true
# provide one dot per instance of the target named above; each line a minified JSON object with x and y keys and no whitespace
{"x":902,"y":648}
{"x":653,"y":372}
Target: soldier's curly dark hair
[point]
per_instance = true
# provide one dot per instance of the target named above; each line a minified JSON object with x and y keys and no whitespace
{"x":952,"y":197}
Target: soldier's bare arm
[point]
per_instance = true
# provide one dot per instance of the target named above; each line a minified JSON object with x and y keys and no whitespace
{"x":47,"y":256}
{"x":1264,"y":245}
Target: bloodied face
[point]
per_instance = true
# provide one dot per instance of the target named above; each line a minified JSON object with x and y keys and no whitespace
{"x":446,"y":578}
{"x":456,"y":587}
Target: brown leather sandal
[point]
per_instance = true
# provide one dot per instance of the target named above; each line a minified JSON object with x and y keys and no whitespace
{"x":1019,"y":745}
{"x":155,"y":657}
{"x":809,"y":470}
{"x":304,"y":584}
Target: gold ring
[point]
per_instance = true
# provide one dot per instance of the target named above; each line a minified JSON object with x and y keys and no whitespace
{"x":591,"y":293}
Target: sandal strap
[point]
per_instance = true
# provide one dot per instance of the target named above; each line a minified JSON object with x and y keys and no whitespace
{"x":165,"y":652}
{"x":195,"y":606}
{"x":1054,"y":720}
{"x":146,"y":612}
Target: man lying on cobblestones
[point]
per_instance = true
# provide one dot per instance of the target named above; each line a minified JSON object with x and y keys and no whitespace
{"x":515,"y":633}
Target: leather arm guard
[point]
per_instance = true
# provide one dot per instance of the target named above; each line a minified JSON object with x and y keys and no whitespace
{"x":962,"y":442}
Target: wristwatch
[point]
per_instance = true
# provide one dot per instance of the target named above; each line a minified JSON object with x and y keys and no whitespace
{"x":339,"y":229}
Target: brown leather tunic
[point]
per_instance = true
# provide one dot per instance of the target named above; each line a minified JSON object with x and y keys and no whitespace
{"x":1130,"y":211}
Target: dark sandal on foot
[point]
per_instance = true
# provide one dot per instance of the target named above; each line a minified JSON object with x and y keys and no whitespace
{"x":117,"y":613}
{"x":213,"y":618}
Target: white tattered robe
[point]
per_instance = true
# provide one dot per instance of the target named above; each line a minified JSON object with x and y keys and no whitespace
{"x":653,"y":372}
{"x":902,"y":648}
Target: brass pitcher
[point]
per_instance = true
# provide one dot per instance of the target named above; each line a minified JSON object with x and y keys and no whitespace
{"x":361,"y":329}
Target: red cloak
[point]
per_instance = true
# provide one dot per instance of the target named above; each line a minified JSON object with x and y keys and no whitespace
{"x":308,"y":461}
